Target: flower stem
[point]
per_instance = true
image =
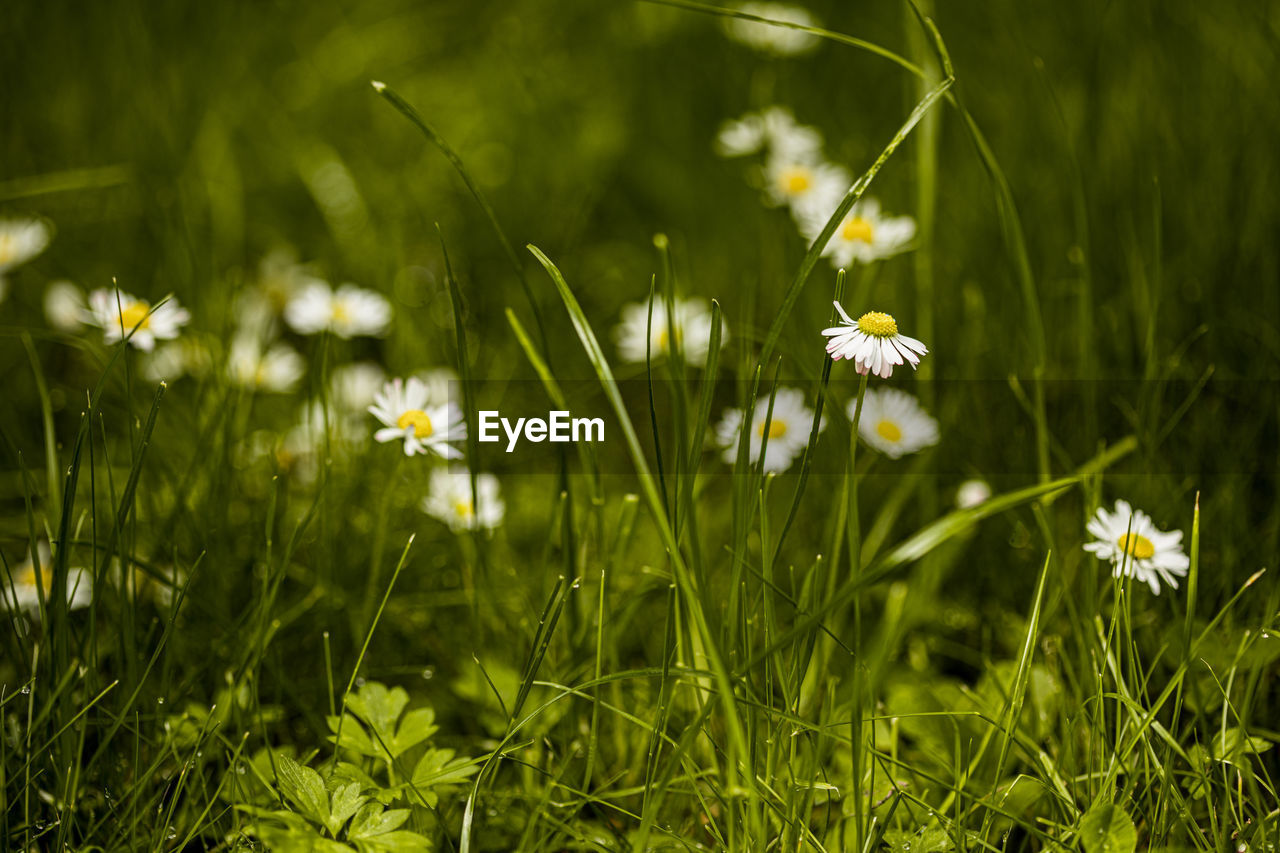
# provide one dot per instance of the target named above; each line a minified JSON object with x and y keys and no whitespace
{"x":851,"y":518}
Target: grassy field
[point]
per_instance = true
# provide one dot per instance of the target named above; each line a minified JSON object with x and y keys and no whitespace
{"x":1020,"y":596}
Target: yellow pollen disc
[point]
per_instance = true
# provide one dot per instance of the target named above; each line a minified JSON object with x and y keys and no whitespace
{"x":664,"y":339}
{"x":857,"y":229}
{"x":340,"y":314}
{"x":877,"y":325}
{"x":777,"y":429}
{"x":889,"y":431}
{"x":795,"y":181}
{"x":135,"y":316}
{"x":463,"y":509}
{"x":27,"y":576}
{"x":1138,"y":547}
{"x":417,"y":419}
{"x":7,"y":247}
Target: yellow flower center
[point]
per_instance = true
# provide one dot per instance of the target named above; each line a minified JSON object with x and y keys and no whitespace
{"x":877,"y":325}
{"x":777,"y":429}
{"x":1138,"y":547}
{"x":664,"y":339}
{"x":8,"y":248}
{"x":417,"y":419}
{"x":795,"y":180}
{"x":857,"y":228}
{"x":340,"y":313}
{"x":463,"y":509}
{"x":27,"y":577}
{"x":889,"y":431}
{"x":135,"y":316}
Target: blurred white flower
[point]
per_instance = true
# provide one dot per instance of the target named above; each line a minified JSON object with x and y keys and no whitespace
{"x":64,"y":306}
{"x":864,"y":235}
{"x":768,"y":38}
{"x":20,"y":241}
{"x":894,"y":422}
{"x":740,"y":137}
{"x":119,"y":313}
{"x":25,"y":592}
{"x":788,"y":430}
{"x":786,"y":137}
{"x":348,"y":312}
{"x":972,"y":492}
{"x":260,"y":306}
{"x":802,"y":182}
{"x":873,"y":343}
{"x":1135,"y":547}
{"x":442,"y":385}
{"x":353,"y":387}
{"x":634,"y":334}
{"x":449,"y":500}
{"x":177,"y":358}
{"x":276,"y":368}
{"x":403,"y":409}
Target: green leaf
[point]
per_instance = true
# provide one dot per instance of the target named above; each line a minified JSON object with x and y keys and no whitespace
{"x":933,"y":840}
{"x":373,"y":821}
{"x":346,"y":801}
{"x":401,"y":841}
{"x":375,"y":830}
{"x":439,"y":769}
{"x":1106,"y":828}
{"x":417,"y":725}
{"x":354,"y":736}
{"x":379,"y":707}
{"x":304,"y":788}
{"x":1232,"y":744}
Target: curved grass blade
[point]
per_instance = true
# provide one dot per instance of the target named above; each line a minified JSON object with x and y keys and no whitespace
{"x":407,"y":110}
{"x":684,"y":579}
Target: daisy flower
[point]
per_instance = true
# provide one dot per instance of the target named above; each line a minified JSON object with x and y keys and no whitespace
{"x":441,"y":384}
{"x":176,"y":359}
{"x":276,"y":368}
{"x":972,"y":492}
{"x":64,"y":306}
{"x":20,"y":241}
{"x":740,"y":137}
{"x":768,"y":38}
{"x":1136,"y":548}
{"x":788,"y":430}
{"x":787,"y":137}
{"x":348,"y":312}
{"x":802,"y":181}
{"x":449,"y":500}
{"x":24,"y":594}
{"x":119,"y":313}
{"x":873,"y":343}
{"x":404,"y":410}
{"x":864,"y":235}
{"x":634,"y":335}
{"x":354,"y":387}
{"x":894,"y":422}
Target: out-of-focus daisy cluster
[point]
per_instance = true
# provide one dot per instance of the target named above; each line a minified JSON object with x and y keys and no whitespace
{"x":270,"y":340}
{"x":792,"y":172}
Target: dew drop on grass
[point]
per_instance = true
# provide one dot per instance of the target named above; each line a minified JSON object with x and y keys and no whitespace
{"x":360,"y":682}
{"x":160,"y":701}
{"x":240,"y":769}
{"x":428,"y":673}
